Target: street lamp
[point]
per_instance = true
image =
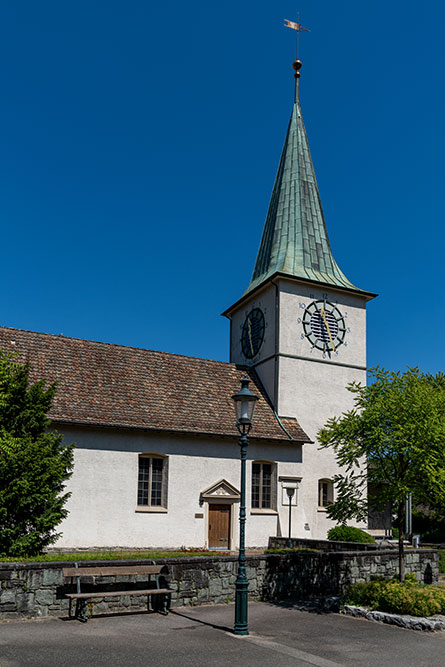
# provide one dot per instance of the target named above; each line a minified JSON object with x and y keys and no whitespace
{"x":290,"y":490}
{"x":244,"y":401}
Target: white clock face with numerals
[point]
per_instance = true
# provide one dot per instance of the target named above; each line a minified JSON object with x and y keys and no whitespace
{"x":324,"y":326}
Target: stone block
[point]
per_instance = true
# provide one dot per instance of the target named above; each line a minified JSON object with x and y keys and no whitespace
{"x":35,"y":579}
{"x":45,"y":597}
{"x":53,"y":578}
{"x":215,"y":587}
{"x":42,"y":611}
{"x":25,"y":603}
{"x":203,"y":595}
{"x":7,"y":596}
{"x":186,"y":593}
{"x":226,"y":584}
{"x":62,"y":605}
{"x":100,"y":608}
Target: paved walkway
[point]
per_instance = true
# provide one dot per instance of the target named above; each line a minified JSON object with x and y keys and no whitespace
{"x":281,"y":636}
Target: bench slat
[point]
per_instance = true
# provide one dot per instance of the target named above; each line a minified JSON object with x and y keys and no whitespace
{"x":110,"y":594}
{"x":111,"y":571}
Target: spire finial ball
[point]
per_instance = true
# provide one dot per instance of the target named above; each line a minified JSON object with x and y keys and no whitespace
{"x":297,"y":65}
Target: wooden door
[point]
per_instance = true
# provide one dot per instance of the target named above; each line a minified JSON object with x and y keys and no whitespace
{"x":219,"y":526}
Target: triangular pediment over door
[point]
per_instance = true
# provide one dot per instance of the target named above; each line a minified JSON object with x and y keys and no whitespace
{"x":222,"y":491}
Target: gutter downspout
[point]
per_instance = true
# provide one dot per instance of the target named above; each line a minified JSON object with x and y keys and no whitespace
{"x":282,"y":425}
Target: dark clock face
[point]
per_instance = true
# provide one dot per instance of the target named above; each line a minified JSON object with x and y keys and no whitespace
{"x":324,"y":325}
{"x":253,"y":333}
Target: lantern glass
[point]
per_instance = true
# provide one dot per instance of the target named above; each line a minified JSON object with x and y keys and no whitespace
{"x":244,"y":401}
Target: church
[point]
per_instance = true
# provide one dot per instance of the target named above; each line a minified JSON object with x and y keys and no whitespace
{"x":157,"y":457}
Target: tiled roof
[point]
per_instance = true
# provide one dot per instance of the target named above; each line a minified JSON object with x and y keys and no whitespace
{"x":295,"y":241}
{"x":112,"y":385}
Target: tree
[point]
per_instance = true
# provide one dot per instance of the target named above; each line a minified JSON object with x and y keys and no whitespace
{"x":394,"y":438}
{"x":33,"y":463}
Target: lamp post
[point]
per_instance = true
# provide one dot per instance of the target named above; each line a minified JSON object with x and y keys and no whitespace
{"x":244,"y":401}
{"x":290,"y":490}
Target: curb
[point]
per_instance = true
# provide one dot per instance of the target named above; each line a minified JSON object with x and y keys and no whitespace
{"x":420,"y":623}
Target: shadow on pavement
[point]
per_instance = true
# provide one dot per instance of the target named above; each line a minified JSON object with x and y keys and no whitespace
{"x":225,"y":628}
{"x":112,"y":614}
{"x":330,"y":605}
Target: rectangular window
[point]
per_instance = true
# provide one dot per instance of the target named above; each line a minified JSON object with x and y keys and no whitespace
{"x":152,"y":481}
{"x":262,"y":483}
{"x":325,"y":492}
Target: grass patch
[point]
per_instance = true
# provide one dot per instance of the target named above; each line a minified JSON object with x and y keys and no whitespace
{"x":396,"y":598}
{"x":106,"y":555}
{"x":296,"y":550}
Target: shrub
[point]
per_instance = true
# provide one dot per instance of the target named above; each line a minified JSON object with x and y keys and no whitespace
{"x":349,"y":534}
{"x":442,"y":561}
{"x":399,"y":598}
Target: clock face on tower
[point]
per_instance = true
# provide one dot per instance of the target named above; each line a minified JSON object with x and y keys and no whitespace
{"x":324,"y":326}
{"x":252,"y":335}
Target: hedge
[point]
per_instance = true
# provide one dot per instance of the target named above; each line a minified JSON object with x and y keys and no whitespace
{"x":349,"y":534}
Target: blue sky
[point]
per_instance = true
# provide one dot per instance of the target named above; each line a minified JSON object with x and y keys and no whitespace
{"x":139,"y":144}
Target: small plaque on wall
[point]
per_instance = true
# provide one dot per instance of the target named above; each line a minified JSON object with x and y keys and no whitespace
{"x":199,"y":515}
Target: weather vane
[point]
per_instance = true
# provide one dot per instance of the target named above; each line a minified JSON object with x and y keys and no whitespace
{"x":296,"y":25}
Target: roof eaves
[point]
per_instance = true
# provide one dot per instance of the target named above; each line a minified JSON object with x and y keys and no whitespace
{"x":279,"y":274}
{"x":280,"y":422}
{"x":222,"y":434}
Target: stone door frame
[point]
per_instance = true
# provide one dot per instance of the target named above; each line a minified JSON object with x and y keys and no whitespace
{"x":222,"y":493}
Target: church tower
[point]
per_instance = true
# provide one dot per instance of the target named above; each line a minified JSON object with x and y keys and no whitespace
{"x":301,"y":323}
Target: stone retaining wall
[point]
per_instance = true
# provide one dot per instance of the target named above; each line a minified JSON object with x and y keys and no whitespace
{"x":38,"y":589}
{"x":323,"y":545}
{"x":302,"y":576}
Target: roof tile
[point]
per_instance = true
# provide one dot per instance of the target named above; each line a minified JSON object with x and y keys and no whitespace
{"x":113,"y":385}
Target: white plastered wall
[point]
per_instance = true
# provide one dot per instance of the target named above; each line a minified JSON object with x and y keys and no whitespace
{"x":312,"y":386}
{"x":103,"y":510}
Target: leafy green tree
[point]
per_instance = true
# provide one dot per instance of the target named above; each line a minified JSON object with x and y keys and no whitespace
{"x":33,"y":463}
{"x":394,"y":438}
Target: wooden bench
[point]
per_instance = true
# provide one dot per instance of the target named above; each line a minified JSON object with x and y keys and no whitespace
{"x":111,"y":571}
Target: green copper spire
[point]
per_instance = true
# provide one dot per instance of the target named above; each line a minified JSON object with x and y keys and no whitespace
{"x":295,"y":241}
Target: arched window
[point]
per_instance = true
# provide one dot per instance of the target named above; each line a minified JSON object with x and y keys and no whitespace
{"x":325,"y":492}
{"x":152,"y":480}
{"x":264,"y":485}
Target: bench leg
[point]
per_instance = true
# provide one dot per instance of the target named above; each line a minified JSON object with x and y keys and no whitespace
{"x":164,"y":605}
{"x":81,"y":611}
{"x":159,"y":603}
